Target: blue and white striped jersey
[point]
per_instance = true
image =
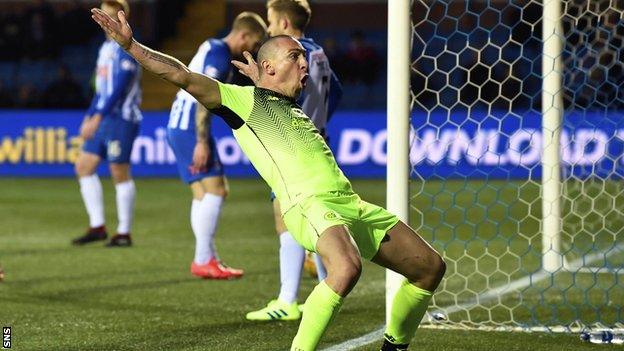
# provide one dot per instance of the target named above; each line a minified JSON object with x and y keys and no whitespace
{"x":212,"y":59}
{"x":323,"y":90}
{"x":117,"y":84}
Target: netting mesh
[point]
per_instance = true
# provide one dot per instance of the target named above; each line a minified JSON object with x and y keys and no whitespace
{"x":476,"y":149}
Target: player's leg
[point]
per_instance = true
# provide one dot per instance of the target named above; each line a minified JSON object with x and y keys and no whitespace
{"x":91,"y":192}
{"x":125,"y":194}
{"x":202,"y":244}
{"x":342,"y":261}
{"x":210,"y":188}
{"x":291,"y":258}
{"x":405,"y":252}
{"x":215,"y":190}
{"x":208,"y":195}
{"x":119,"y":149}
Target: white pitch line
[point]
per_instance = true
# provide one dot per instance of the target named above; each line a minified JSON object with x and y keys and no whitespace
{"x":492,"y":294}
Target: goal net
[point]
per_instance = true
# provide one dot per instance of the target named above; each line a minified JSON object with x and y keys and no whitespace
{"x":517,"y":160}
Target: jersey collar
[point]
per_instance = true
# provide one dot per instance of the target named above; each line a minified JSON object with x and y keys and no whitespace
{"x":276,"y":94}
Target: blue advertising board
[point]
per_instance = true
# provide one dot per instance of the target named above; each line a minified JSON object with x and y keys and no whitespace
{"x":46,"y":143}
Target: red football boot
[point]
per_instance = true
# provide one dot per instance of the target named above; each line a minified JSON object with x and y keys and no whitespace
{"x":215,"y":270}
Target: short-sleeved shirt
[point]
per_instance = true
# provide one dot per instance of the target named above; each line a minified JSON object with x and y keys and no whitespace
{"x":282,"y":144}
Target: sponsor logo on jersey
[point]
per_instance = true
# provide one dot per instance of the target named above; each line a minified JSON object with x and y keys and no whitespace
{"x":299,"y":113}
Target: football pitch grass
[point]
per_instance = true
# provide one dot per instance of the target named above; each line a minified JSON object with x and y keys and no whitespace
{"x":59,"y":297}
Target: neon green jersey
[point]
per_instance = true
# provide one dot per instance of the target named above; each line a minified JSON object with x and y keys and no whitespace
{"x":282,"y":143}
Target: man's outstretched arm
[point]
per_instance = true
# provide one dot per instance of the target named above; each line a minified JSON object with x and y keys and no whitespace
{"x":203,"y":88}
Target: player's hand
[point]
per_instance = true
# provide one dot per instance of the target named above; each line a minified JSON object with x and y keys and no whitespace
{"x":250,"y":69}
{"x":119,"y":30}
{"x":90,"y":126}
{"x":201,"y":153}
{"x":86,"y":129}
{"x":83,"y":128}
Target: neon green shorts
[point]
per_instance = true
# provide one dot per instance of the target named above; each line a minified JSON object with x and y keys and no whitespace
{"x":367,"y":223}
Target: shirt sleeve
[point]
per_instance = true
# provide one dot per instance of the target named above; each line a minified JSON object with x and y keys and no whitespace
{"x":126,"y":70}
{"x":236,"y":104}
{"x":217,"y":65}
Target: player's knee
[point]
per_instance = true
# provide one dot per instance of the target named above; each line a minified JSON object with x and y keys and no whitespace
{"x":225,"y":192}
{"x":280,"y":227}
{"x":82,"y":169}
{"x":78,"y":169}
{"x":215,"y":186}
{"x":429,"y":273}
{"x":438,"y":269}
{"x":221,"y":191}
{"x":119,"y":174}
{"x":347,"y":274}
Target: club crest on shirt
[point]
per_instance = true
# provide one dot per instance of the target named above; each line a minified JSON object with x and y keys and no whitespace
{"x":329,"y":215}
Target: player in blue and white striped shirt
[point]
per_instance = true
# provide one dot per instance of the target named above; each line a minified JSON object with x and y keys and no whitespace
{"x":318,"y":100}
{"x":110,"y":126}
{"x":188,"y":133}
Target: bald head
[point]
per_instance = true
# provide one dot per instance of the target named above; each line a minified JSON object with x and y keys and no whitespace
{"x":271,"y":47}
{"x":282,"y":65}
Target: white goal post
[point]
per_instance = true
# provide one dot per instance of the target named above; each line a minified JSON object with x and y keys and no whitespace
{"x":398,"y":112}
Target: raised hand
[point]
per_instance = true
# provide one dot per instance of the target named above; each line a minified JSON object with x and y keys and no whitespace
{"x":119,"y":31}
{"x":250,"y":69}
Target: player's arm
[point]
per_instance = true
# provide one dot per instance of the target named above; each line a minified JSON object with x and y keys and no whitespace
{"x":203,"y":88}
{"x":202,"y":124}
{"x":201,"y":152}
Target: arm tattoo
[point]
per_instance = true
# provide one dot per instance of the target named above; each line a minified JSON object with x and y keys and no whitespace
{"x":167,"y":60}
{"x":166,"y":67}
{"x":202,"y":123}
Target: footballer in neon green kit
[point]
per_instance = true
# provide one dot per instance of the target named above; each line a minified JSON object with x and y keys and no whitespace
{"x":318,"y":203}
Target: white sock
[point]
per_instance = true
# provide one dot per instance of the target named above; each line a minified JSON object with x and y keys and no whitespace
{"x":204,"y":219}
{"x":292,"y":256}
{"x":320,"y":268}
{"x":91,"y":190}
{"x":125,"y":194}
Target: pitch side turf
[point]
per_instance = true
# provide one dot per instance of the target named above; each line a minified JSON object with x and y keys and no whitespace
{"x":59,"y":297}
